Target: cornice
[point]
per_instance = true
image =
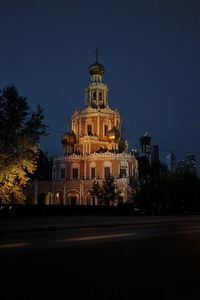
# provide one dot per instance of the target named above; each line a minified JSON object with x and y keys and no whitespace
{"x":93,"y":112}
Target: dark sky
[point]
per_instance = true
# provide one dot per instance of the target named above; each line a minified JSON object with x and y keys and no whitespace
{"x":150,"y":50}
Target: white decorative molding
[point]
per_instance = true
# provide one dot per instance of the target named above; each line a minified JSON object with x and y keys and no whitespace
{"x":92,"y":164}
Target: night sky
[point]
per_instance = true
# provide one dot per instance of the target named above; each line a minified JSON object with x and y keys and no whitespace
{"x":150,"y":51}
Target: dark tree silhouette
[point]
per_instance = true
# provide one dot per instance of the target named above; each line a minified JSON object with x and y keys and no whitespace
{"x":160,"y":191}
{"x":107,"y":192}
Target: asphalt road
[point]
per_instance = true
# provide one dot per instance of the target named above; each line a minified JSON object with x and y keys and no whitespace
{"x":149,"y":261}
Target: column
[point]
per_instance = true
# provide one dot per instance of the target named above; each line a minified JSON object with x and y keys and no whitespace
{"x":90,"y":96}
{"x":98,"y":125}
{"x":105,"y":97}
{"x":85,"y":175}
{"x":53,"y":193}
{"x":79,"y":127}
{"x":81,"y":192}
{"x":115,"y":121}
{"x":97,"y":96}
{"x":64,"y":194}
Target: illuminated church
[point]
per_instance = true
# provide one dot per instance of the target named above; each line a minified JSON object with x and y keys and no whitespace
{"x":93,"y":149}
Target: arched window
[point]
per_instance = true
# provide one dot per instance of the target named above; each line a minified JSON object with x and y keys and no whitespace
{"x":100,"y":96}
{"x":94,"y":95}
{"x":89,"y":129}
{"x":123,"y":169}
{"x":105,"y":130}
{"x":122,"y":172}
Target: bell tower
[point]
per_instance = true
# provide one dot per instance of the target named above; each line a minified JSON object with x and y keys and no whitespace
{"x":96,"y":93}
{"x":97,"y":127}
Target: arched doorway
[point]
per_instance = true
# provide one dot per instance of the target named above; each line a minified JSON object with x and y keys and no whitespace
{"x":48,"y":198}
{"x":89,"y":199}
{"x":73,"y":198}
{"x":59,"y":198}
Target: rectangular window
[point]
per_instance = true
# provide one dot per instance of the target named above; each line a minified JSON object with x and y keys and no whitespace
{"x":93,"y":173}
{"x":62,"y":174}
{"x":107,"y":172}
{"x":105,"y":130}
{"x":122,"y":172}
{"x":89,"y":129}
{"x":54,"y":174}
{"x":75,"y":173}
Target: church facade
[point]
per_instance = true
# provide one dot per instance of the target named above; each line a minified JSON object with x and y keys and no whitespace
{"x":93,"y":149}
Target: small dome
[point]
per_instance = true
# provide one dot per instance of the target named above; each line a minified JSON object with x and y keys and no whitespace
{"x":68,"y":138}
{"x":113,"y":135}
{"x":96,"y":69}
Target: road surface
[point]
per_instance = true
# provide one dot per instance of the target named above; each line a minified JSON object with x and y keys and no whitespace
{"x":125,"y":261}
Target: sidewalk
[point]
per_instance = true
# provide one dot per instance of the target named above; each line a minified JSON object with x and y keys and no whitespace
{"x":52,"y":223}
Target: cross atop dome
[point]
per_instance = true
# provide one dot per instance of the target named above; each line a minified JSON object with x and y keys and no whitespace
{"x":97,"y":68}
{"x":97,"y":53}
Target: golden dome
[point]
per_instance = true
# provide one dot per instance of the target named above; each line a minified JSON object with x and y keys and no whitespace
{"x":96,"y":69}
{"x":113,"y":135}
{"x":68,"y":138}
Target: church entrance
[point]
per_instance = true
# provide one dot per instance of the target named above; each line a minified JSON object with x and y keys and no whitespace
{"x":73,"y":200}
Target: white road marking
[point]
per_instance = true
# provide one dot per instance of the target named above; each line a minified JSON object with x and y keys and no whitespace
{"x":14,"y":245}
{"x":98,"y":237}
